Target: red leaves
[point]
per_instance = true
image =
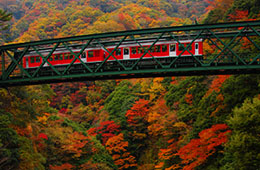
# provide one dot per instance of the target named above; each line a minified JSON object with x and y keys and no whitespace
{"x":107,"y":129}
{"x":65,"y":166}
{"x":240,"y":16}
{"x":43,"y":136}
{"x":198,"y":150}
{"x":216,"y":84}
{"x":139,"y":109}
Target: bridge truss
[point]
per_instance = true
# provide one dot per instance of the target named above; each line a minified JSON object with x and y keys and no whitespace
{"x":228,"y":48}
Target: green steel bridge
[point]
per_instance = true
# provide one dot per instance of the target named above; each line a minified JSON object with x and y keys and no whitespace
{"x":228,"y":48}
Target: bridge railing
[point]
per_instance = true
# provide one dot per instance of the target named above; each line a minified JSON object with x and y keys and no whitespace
{"x":227,"y":48}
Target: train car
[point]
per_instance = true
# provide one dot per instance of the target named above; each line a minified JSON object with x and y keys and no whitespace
{"x":125,"y":52}
{"x":59,"y":58}
{"x":135,"y":51}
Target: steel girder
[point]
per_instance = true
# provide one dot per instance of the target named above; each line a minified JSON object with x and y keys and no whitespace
{"x":229,"y":48}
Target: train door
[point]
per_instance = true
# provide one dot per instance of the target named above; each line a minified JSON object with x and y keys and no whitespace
{"x":126,"y":54}
{"x":196,"y":48}
{"x":27,"y":62}
{"x":172,"y":49}
{"x":83,"y":57}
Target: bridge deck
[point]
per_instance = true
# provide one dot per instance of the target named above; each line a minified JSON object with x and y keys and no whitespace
{"x":229,"y":48}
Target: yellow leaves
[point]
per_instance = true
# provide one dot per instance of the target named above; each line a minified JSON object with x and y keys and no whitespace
{"x":155,"y":127}
{"x":152,"y":117}
{"x":138,"y":136}
{"x":180,"y":125}
{"x":101,"y":27}
{"x":156,"y":89}
{"x":43,"y":119}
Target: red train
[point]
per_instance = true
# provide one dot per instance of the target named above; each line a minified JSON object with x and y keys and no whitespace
{"x":126,"y":52}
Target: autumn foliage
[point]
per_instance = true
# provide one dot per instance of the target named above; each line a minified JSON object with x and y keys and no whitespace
{"x":106,"y":129}
{"x":139,"y":110}
{"x":164,"y":123}
{"x":198,"y":150}
{"x":117,"y":147}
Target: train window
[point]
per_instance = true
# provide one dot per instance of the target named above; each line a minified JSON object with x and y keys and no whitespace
{"x":38,"y":59}
{"x":140,"y":50}
{"x":51,"y":58}
{"x":56,"y":57}
{"x":71,"y":56}
{"x":66,"y":56}
{"x":172,"y":47}
{"x":60,"y":56}
{"x":126,"y":51}
{"x":196,"y":46}
{"x":157,"y":48}
{"x":145,"y":48}
{"x":118,"y":51}
{"x":133,"y":50}
{"x":90,"y":54}
{"x":32,"y":59}
{"x":152,"y":50}
{"x":83,"y":55}
{"x":164,"y":48}
{"x":181,"y":47}
{"x":190,"y":47}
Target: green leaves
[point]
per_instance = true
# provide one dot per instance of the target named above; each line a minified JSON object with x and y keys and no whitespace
{"x":120,"y":100}
{"x":4,"y":17}
{"x":242,"y":151}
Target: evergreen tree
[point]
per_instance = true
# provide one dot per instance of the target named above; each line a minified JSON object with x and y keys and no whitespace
{"x":4,"y":17}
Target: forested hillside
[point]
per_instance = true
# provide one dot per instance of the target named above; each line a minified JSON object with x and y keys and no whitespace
{"x":170,"y":123}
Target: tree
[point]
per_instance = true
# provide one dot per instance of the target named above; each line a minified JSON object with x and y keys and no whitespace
{"x":120,"y":100}
{"x":117,"y":147}
{"x":106,"y":130}
{"x":9,"y":143}
{"x":138,"y":111}
{"x":198,"y":150}
{"x":243,"y":148}
{"x":4,"y":17}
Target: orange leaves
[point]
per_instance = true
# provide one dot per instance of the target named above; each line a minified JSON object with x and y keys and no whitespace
{"x":198,"y":150}
{"x":116,"y":144}
{"x":216,"y":84}
{"x":75,"y":143}
{"x":219,"y":4}
{"x":155,"y":118}
{"x":43,"y":119}
{"x":188,"y":98}
{"x":216,"y":87}
{"x":127,"y":21}
{"x":117,"y":147}
{"x":168,"y":153}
